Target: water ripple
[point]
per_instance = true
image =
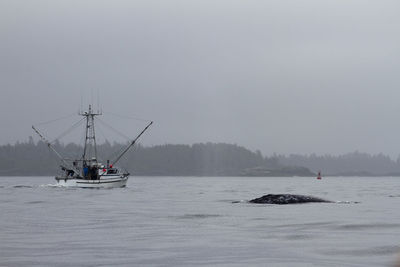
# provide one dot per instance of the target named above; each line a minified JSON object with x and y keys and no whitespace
{"x":23,"y":186}
{"x":367,"y":226}
{"x":198,"y":216}
{"x":35,"y":202}
{"x":375,"y":251}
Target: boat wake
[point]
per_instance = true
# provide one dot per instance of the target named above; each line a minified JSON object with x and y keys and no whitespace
{"x":52,"y":185}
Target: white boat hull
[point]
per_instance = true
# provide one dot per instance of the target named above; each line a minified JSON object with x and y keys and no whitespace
{"x":103,"y":182}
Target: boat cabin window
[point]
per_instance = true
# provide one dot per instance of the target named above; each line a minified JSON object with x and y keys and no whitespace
{"x":112,"y":171}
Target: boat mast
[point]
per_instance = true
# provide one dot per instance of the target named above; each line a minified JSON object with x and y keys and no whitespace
{"x":90,"y":149}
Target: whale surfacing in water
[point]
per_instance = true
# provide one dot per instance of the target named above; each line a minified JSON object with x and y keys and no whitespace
{"x":282,"y":199}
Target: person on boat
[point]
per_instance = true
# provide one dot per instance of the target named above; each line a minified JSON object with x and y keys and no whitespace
{"x":68,"y":172}
{"x":85,"y":171}
{"x":93,"y":173}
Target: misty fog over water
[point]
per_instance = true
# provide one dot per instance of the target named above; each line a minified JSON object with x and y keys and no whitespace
{"x":247,"y":97}
{"x":280,"y":76}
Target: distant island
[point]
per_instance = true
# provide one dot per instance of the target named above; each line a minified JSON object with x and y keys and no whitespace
{"x":202,"y":159}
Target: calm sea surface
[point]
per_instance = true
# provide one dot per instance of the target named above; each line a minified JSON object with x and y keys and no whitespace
{"x":188,"y":221}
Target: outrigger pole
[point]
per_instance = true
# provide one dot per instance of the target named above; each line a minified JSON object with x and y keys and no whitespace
{"x":131,"y":144}
{"x":52,"y":148}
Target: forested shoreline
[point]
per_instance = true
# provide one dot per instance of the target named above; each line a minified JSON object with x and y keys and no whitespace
{"x":202,"y":159}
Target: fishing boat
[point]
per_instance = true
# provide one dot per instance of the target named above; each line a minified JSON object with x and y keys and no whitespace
{"x":88,"y":171}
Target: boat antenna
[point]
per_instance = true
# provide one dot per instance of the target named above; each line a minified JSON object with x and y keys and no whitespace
{"x":132,"y":143}
{"x":80,"y":107}
{"x":98,"y":100}
{"x":91,"y":95}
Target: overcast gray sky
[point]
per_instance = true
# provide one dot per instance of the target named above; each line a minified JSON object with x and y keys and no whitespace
{"x":279,"y":76}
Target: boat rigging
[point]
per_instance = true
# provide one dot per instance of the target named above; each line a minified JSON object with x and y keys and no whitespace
{"x":87,"y":171}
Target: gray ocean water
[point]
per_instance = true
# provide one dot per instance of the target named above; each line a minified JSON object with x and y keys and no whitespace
{"x":191,"y":221}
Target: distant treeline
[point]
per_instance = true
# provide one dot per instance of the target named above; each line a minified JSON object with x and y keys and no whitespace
{"x":203,"y":159}
{"x":350,"y":164}
{"x":209,"y":159}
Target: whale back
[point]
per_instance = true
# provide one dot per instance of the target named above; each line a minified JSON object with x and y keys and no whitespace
{"x":282,"y":199}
